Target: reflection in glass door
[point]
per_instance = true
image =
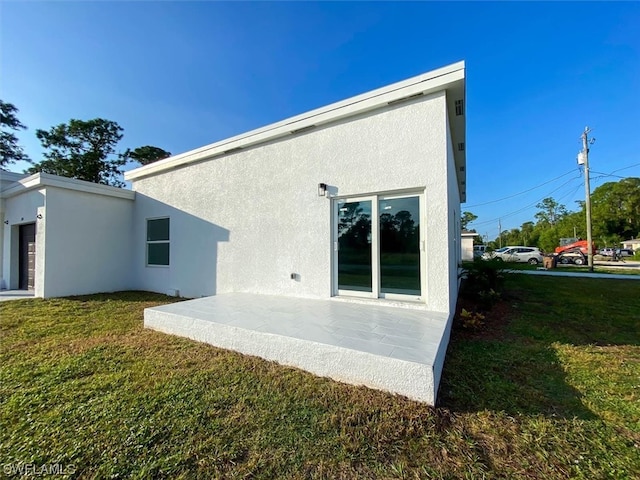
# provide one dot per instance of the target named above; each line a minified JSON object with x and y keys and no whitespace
{"x":399,"y":226}
{"x":378,"y":247}
{"x":354,"y":246}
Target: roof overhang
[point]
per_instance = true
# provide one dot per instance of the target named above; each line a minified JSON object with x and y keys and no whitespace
{"x":40,"y":180}
{"x":11,"y":176}
{"x":450,"y":79}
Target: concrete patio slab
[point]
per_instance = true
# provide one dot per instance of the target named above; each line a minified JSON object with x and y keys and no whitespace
{"x":400,"y":350}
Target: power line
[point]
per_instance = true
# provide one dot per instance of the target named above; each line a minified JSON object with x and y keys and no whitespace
{"x":549,"y":181}
{"x":624,"y":168}
{"x":602,"y":175}
{"x":476,"y":224}
{"x":520,"y":193}
{"x":493,"y":220}
{"x":570,"y":194}
{"x":611,"y":174}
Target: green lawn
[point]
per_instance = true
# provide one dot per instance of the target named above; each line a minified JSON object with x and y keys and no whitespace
{"x":619,"y":268}
{"x":549,"y":390}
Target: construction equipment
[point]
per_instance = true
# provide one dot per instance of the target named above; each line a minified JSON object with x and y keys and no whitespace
{"x":573,"y":250}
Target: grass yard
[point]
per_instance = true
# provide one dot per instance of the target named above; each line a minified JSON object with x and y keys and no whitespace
{"x":549,"y":389}
{"x":618,"y":268}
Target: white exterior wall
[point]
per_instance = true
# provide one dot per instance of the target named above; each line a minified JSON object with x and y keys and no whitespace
{"x":453,"y":240}
{"x":467,"y":246}
{"x":19,"y":210}
{"x":6,"y":179}
{"x":246,"y":221}
{"x":454,"y":229}
{"x":88,"y":246}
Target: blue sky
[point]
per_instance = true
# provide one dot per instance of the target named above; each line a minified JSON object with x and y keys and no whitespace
{"x":181,"y":75}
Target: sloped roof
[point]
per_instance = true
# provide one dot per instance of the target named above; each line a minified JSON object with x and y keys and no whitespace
{"x":450,"y":78}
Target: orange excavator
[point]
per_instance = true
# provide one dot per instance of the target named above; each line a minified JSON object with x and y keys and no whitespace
{"x":574,"y":250}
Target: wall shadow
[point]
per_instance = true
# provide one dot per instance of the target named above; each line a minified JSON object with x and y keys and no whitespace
{"x":193,"y":251}
{"x":509,"y":377}
{"x":513,"y":365}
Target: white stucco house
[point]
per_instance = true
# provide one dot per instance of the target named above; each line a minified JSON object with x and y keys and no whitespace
{"x":64,"y":237}
{"x":467,"y":245}
{"x":356,"y":203}
{"x":632,"y":244}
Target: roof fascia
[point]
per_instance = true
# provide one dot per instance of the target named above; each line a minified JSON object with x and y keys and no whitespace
{"x":40,"y":180}
{"x":426,"y":83}
{"x":11,"y":176}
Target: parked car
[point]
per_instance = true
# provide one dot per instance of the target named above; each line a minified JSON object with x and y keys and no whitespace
{"x":620,"y":252}
{"x":478,"y":250}
{"x":516,"y":253}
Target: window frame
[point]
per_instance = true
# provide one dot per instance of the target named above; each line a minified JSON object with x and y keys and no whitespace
{"x":376,"y":292}
{"x":155,"y":242}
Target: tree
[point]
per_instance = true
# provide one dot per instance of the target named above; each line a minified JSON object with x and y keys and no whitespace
{"x":549,"y":239}
{"x":529,"y":234}
{"x":10,"y":151}
{"x":551,"y":212}
{"x":147,"y":154}
{"x":615,"y":209}
{"x":85,"y":150}
{"x":466,"y":219}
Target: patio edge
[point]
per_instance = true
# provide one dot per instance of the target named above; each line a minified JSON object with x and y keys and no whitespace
{"x":411,"y":379}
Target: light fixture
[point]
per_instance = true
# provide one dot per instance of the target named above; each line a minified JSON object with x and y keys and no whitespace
{"x":322,"y":189}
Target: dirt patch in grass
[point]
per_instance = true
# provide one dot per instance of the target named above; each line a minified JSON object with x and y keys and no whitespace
{"x":494,"y":324}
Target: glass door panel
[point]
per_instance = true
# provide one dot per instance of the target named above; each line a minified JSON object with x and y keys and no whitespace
{"x":399,"y":227}
{"x":354,"y":246}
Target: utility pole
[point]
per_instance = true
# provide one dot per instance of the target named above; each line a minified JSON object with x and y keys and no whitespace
{"x":583,"y":159}
{"x":500,"y":232}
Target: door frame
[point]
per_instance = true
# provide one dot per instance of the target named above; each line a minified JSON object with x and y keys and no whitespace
{"x":375,"y":293}
{"x":23,"y":255}
{"x":336,"y":291}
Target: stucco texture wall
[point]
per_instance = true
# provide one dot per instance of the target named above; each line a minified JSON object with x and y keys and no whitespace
{"x":453,"y":239}
{"x":19,"y":210}
{"x":246,"y":221}
{"x":88,"y":244}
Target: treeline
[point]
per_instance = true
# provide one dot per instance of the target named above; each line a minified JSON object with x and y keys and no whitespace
{"x":81,"y":149}
{"x":615,"y":216}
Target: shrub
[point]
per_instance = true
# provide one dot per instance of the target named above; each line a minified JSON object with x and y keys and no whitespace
{"x":482,"y":281}
{"x":472,"y":320}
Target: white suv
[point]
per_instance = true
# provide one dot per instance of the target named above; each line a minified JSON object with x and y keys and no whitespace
{"x":517,"y":253}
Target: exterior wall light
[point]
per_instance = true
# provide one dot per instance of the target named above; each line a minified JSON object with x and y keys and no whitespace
{"x":322,"y":189}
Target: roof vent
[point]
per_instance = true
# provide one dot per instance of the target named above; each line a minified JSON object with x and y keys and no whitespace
{"x":459,"y":107}
{"x":405,"y":99}
{"x":303,"y":129}
{"x":461,"y":147}
{"x":233,"y":150}
{"x":462,"y":168}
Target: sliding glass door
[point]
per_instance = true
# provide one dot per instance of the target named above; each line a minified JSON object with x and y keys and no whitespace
{"x":354,"y":246}
{"x":399,"y":226}
{"x":377,"y":246}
